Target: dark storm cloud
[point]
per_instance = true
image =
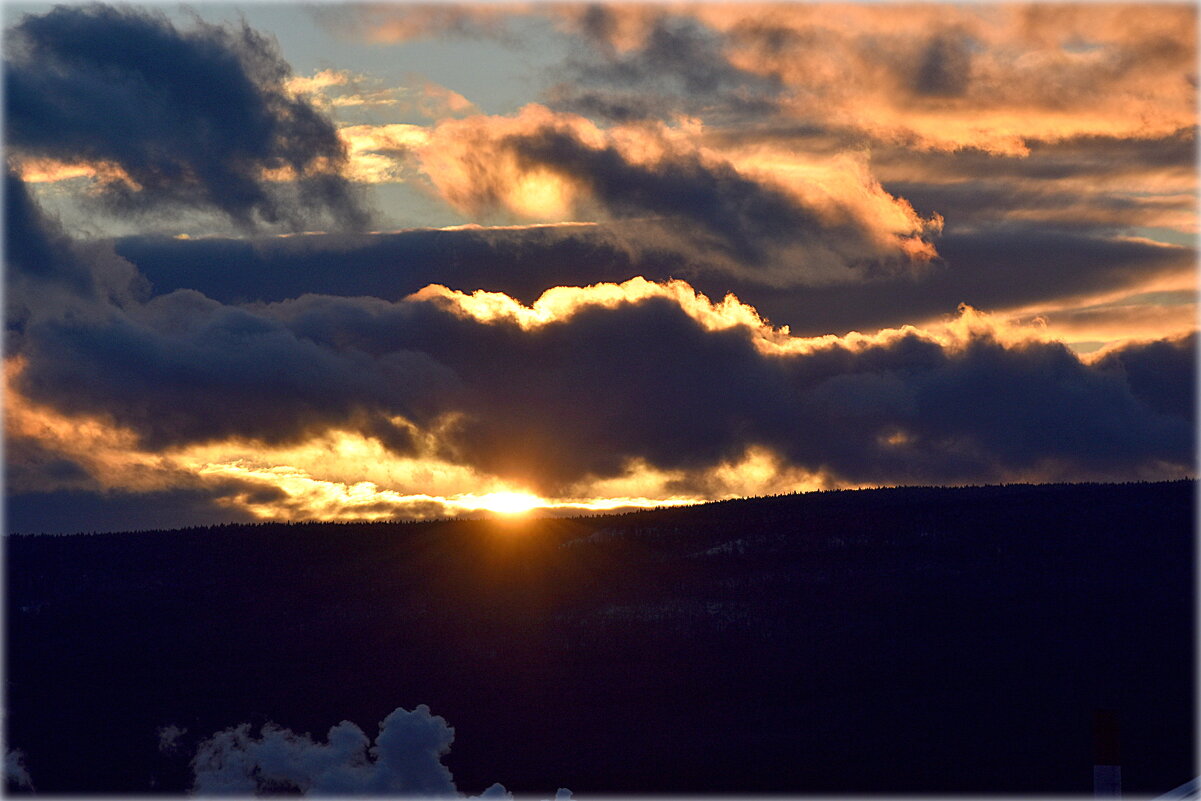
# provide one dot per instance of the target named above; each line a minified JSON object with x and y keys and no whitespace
{"x":35,"y":247}
{"x":1005,"y":265}
{"x":47,"y":272}
{"x":990,"y":268}
{"x":521,"y":262}
{"x":1155,"y":370}
{"x":680,"y":67}
{"x":581,"y":397}
{"x":183,"y":368}
{"x":645,"y":381}
{"x":193,"y":117}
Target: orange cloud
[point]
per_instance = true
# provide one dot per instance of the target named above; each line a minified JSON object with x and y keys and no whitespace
{"x":320,"y":80}
{"x":42,"y":169}
{"x":842,"y":187}
{"x":45,"y":170}
{"x":832,"y":207}
{"x":474,"y":172}
{"x":381,"y":153}
{"x":989,"y":77}
{"x":438,"y":101}
{"x":1113,"y":325}
{"x":1164,"y":307}
{"x":938,"y":76}
{"x":1171,"y":212}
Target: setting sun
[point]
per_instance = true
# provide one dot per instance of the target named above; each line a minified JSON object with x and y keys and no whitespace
{"x":505,"y":503}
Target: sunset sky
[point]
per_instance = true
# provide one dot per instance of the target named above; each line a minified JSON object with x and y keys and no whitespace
{"x":361,"y":262}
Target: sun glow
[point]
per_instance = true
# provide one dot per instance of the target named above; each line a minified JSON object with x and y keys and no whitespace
{"x":505,"y":503}
{"x":336,"y":475}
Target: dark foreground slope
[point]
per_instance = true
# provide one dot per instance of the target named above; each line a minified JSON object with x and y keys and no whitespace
{"x":890,"y":640}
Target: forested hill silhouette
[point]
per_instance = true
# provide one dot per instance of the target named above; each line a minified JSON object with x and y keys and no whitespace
{"x":892,"y":640}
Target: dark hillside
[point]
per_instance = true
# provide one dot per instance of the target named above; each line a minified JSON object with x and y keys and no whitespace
{"x":904,"y":640}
